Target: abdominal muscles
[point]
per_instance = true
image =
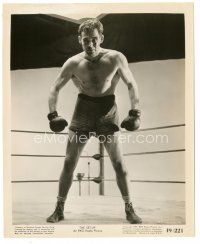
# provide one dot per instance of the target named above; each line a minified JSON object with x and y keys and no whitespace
{"x":96,"y":88}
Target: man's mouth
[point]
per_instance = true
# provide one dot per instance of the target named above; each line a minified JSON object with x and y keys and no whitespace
{"x":90,"y":50}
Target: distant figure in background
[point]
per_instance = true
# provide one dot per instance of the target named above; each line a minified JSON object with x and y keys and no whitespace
{"x":95,"y":72}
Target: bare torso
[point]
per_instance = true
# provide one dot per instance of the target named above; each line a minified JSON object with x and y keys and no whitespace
{"x":96,"y":78}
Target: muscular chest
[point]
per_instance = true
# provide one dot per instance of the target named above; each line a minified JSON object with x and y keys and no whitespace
{"x":96,"y":73}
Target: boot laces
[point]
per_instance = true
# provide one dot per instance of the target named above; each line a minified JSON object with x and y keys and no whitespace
{"x":59,"y":207}
{"x":129,"y":208}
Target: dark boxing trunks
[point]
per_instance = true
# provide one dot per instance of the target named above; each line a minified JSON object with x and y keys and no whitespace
{"x":96,"y":115}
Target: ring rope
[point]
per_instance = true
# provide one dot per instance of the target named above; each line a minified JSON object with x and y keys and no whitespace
{"x":66,"y":133}
{"x":152,"y":152}
{"x":157,"y":128}
{"x":126,"y":154}
{"x":46,"y":156}
{"x":110,"y":180}
{"x":40,"y":132}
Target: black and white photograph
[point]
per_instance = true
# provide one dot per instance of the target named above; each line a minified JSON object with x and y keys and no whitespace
{"x":101,"y":120}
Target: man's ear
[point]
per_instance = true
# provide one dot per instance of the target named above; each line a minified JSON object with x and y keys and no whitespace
{"x":102,"y":38}
{"x":79,"y":39}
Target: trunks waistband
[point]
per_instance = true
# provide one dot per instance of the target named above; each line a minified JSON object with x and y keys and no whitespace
{"x":108,"y":98}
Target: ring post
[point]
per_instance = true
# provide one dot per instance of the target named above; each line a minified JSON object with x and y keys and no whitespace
{"x":80,"y":177}
{"x":101,"y":161}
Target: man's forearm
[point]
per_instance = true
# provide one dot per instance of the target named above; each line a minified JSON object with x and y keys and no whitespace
{"x":134,"y":96}
{"x":53,"y":98}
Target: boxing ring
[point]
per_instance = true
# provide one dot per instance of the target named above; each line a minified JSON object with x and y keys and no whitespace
{"x":103,"y":207}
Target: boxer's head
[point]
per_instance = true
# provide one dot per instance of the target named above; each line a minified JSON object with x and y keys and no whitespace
{"x":91,"y":36}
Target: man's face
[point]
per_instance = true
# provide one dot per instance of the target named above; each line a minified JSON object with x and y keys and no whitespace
{"x":90,"y":42}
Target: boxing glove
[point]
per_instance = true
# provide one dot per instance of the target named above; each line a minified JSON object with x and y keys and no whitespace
{"x":57,"y":123}
{"x":132,"y":121}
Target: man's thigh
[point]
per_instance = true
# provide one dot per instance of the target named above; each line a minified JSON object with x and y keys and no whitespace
{"x":75,"y":144}
{"x":114,"y":147}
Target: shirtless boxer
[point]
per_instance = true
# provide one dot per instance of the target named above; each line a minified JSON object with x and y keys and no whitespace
{"x":96,"y":73}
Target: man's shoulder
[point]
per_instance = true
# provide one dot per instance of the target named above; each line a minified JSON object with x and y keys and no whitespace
{"x":115,"y":55}
{"x":74,"y":60}
{"x":112,"y":53}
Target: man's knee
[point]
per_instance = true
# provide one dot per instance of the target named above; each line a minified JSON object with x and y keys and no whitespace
{"x":120,"y":169}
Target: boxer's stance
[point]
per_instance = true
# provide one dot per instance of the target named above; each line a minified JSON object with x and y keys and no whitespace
{"x":95,"y":72}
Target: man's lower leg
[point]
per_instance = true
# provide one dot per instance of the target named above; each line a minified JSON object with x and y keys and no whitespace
{"x":64,"y":186}
{"x":131,"y":216}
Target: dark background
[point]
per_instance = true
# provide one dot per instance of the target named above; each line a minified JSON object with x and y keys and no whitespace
{"x":41,"y":41}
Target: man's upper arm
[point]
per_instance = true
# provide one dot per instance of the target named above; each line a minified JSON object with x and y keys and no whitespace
{"x":124,"y":70}
{"x":127,"y":77}
{"x":64,"y":75}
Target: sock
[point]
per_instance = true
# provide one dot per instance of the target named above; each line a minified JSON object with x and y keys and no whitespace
{"x":126,"y":199}
{"x":61,"y":199}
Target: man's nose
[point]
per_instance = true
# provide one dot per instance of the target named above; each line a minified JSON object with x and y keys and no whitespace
{"x":90,"y":44}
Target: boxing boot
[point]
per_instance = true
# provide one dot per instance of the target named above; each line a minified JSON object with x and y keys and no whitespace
{"x":58,"y":214}
{"x":131,"y":216}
